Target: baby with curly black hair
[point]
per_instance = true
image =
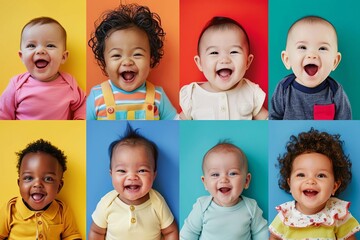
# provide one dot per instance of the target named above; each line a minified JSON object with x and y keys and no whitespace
{"x":127,"y":44}
{"x":314,"y":170}
{"x":37,"y":214}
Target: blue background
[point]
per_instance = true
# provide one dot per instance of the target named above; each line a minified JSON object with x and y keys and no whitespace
{"x":197,"y":137}
{"x":99,"y":136}
{"x":343,"y":15}
{"x":279,"y":135}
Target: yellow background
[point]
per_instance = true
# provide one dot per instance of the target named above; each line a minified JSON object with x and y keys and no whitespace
{"x":69,"y":136}
{"x":16,"y":13}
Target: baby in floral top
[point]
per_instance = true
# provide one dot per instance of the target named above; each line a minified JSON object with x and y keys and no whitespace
{"x":314,"y":170}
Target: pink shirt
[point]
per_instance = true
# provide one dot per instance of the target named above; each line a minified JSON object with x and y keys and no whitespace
{"x":26,"y":98}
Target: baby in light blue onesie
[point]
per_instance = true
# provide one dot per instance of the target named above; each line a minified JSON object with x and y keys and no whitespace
{"x":226,"y":214}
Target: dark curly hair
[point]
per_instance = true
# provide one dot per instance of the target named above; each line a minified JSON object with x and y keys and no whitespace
{"x":124,"y":17}
{"x":131,"y":137}
{"x":314,"y":141}
{"x":45,"y":147}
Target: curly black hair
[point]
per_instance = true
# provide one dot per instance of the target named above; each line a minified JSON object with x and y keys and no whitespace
{"x":45,"y":147}
{"x":314,"y":141}
{"x":131,"y":137}
{"x":124,"y":17}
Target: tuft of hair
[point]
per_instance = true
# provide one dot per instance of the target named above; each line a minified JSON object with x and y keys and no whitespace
{"x":45,"y":147}
{"x":43,"y":21}
{"x":132,"y":137}
{"x":225,"y":145}
{"x":220,"y":22}
{"x":124,"y":17}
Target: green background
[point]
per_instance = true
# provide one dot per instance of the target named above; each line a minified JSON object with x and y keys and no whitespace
{"x":197,"y":137}
{"x":344,"y":15}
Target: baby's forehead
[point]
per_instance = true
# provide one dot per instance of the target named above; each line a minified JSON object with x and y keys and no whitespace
{"x":305,"y":23}
{"x":219,"y":29}
{"x":227,"y":149}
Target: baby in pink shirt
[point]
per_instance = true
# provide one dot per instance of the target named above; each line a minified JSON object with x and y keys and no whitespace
{"x":43,"y":93}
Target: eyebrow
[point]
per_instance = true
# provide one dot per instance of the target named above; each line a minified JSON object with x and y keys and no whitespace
{"x":233,"y":46}
{"x":120,"y":49}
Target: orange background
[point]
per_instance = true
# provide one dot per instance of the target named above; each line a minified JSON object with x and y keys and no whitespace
{"x":166,"y":74}
{"x":251,"y":14}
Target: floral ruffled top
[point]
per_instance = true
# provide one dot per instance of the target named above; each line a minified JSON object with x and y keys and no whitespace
{"x":333,"y":222}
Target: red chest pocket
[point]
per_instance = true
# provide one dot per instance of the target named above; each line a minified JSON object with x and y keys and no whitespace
{"x":324,"y":112}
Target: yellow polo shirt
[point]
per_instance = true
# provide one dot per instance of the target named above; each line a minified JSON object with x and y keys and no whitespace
{"x":18,"y":222}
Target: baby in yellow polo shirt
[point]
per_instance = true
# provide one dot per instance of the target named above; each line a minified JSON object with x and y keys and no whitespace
{"x":37,"y":214}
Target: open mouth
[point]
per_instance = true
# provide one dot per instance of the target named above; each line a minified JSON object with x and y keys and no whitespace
{"x":132,"y":187}
{"x":311,"y":69}
{"x":128,"y":76}
{"x":41,"y":63}
{"x":224,"y":189}
{"x":37,"y":197}
{"x":224,"y":73}
{"x":310,"y":193}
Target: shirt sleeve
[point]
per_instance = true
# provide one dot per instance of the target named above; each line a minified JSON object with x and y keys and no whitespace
{"x":277,"y":110}
{"x":70,"y":228}
{"x":78,"y":107}
{"x":164,"y":212}
{"x":346,"y":227}
{"x":8,"y":102}
{"x":259,"y":228}
{"x":90,"y":106}
{"x":342,"y":103}
{"x":4,"y":224}
{"x":167,"y":110}
{"x":259,"y":98}
{"x":192,"y":227}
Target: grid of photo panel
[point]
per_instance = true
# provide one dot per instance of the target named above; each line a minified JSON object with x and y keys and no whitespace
{"x":181,"y":144}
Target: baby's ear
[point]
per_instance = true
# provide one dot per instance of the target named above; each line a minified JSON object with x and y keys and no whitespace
{"x":249,"y":61}
{"x":337,"y":60}
{"x":64,"y":57}
{"x":198,"y":62}
{"x":285,"y":59}
{"x":60,"y":185}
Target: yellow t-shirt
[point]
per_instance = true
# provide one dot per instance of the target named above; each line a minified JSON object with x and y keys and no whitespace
{"x":143,"y":221}
{"x":19,"y":222}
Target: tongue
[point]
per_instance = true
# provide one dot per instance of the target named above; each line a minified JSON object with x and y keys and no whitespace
{"x":224,"y":72}
{"x":37,"y":196}
{"x":224,"y":190}
{"x":128,"y":75}
{"x":41,"y":63}
{"x":311,"y":69}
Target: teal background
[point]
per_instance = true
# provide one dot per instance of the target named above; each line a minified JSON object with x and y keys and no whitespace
{"x":344,"y":15}
{"x":197,"y":137}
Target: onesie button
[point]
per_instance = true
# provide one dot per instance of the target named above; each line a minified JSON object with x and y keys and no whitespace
{"x":110,"y":110}
{"x":133,"y":220}
{"x":38,"y":214}
{"x":150,"y":107}
{"x":132,"y":208}
{"x":39,"y":222}
{"x":40,"y":236}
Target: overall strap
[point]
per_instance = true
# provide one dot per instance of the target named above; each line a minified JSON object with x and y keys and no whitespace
{"x":109,"y":100}
{"x":150,"y":101}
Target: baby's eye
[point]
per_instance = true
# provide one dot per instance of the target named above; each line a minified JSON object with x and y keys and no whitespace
{"x":49,"y":179}
{"x":214,"y":175}
{"x":138,"y":55}
{"x":321,"y":175}
{"x":300,"y":175}
{"x":233,"y":174}
{"x":234,"y":52}
{"x":213,"y":53}
{"x":143,"y":171}
{"x":116,"y":56}
{"x":51,"y":46}
{"x":27,"y":178}
{"x":30,"y":45}
{"x":301,"y":47}
{"x":323,"y":48}
{"x":120,"y":171}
